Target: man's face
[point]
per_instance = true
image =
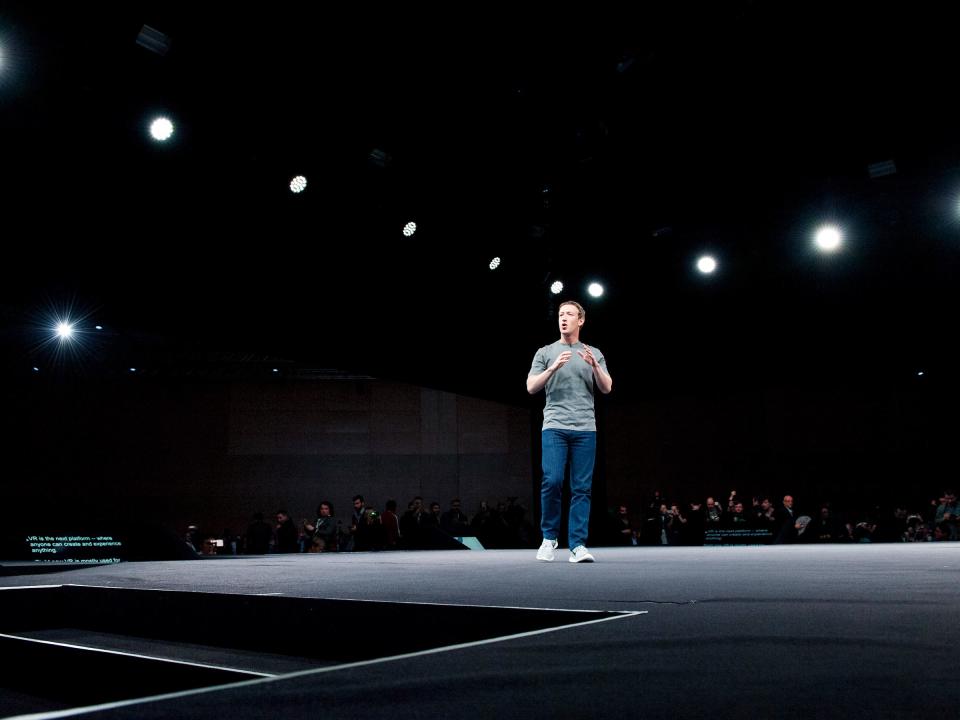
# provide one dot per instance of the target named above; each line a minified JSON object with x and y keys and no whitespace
{"x":324,"y":511}
{"x":357,"y":504}
{"x":569,"y":318}
{"x":788,"y":501}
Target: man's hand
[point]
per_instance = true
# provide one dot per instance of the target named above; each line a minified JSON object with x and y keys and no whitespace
{"x":561,"y":360}
{"x":604,"y":381}
{"x":535,"y":383}
{"x":587,"y":355}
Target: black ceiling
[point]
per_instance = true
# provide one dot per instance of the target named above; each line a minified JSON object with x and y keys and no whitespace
{"x":572,"y":145}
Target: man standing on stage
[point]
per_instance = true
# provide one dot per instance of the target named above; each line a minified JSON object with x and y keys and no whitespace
{"x":568,"y":370}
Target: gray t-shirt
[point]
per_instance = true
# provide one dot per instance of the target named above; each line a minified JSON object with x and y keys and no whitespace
{"x":570,"y":389}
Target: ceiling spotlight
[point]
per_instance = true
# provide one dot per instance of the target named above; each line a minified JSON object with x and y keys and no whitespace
{"x":64,"y":330}
{"x":706,"y":264}
{"x":298,"y":184}
{"x":161,"y":129}
{"x":828,"y":238}
{"x":153,"y":40}
{"x":495,"y":263}
{"x":409,"y":229}
{"x":595,"y":289}
{"x":379,"y":157}
{"x":557,"y":287}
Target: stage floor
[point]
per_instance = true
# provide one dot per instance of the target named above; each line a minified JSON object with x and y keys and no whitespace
{"x":774,"y":631}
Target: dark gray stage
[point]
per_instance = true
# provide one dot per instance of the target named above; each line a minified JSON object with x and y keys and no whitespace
{"x":745,"y":632}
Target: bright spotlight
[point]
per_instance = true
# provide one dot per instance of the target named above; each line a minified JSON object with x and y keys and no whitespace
{"x":63,"y":332}
{"x":495,"y":263}
{"x":161,"y":129}
{"x":595,"y":289}
{"x":557,"y":287}
{"x":409,"y":229}
{"x":828,"y":238}
{"x":706,"y":264}
{"x":298,"y":184}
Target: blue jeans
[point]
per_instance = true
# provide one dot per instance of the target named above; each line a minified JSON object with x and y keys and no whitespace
{"x":579,"y":448}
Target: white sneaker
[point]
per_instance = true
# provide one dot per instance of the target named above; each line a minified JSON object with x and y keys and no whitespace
{"x":580,"y":554}
{"x":545,"y":552}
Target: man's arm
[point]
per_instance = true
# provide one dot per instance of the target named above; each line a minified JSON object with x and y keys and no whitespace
{"x":603,"y":379}
{"x":536,"y":383}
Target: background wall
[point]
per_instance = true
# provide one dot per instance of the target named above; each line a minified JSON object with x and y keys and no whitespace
{"x":857,"y":445}
{"x":171,"y":452}
{"x":212,"y":453}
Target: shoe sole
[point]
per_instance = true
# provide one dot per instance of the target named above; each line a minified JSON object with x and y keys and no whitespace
{"x":588,"y":559}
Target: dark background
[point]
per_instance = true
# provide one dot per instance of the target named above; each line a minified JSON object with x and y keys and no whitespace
{"x":574,"y":145}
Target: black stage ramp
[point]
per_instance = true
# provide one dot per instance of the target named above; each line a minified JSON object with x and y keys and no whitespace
{"x":729,"y":632}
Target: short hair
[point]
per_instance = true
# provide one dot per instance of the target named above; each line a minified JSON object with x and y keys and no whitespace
{"x":581,"y":313}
